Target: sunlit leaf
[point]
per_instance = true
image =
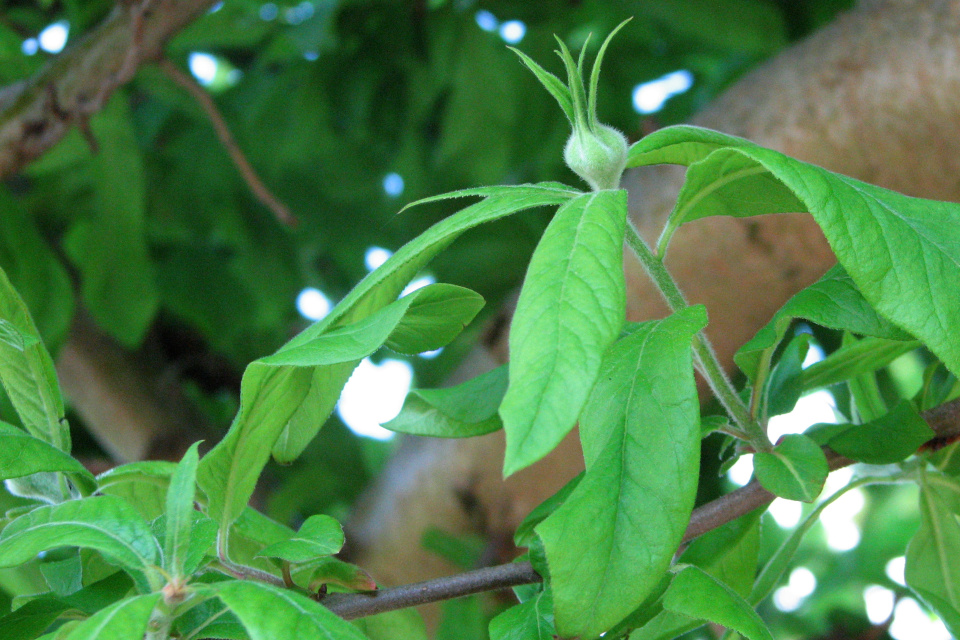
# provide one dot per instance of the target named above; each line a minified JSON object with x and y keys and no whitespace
{"x":319,"y":535}
{"x":571,"y":308}
{"x":641,"y":442}
{"x":697,"y":594}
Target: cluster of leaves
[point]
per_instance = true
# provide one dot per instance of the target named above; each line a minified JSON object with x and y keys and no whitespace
{"x":161,"y":549}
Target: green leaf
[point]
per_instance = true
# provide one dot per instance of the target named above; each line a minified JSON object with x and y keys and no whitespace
{"x":552,"y":83}
{"x":434,"y":319}
{"x":27,"y":373}
{"x":863,"y":356}
{"x":796,"y":468}
{"x":180,"y":512}
{"x":268,"y":613}
{"x":833,"y":302}
{"x":108,"y":245}
{"x":529,"y":620}
{"x":203,"y":536}
{"x":105,"y":523}
{"x":319,"y":535}
{"x":22,"y":454}
{"x":780,"y":561}
{"x":120,"y":621}
{"x":141,"y":484}
{"x":33,"y":268}
{"x":404,"y":624}
{"x":784,"y":385}
{"x":697,"y":594}
{"x":903,"y":253}
{"x":609,"y":543}
{"x":524,"y":535}
{"x":931,"y":570}
{"x":462,"y":411}
{"x":330,"y":570}
{"x":888,"y":439}
{"x":274,"y":388}
{"x":571,"y":308}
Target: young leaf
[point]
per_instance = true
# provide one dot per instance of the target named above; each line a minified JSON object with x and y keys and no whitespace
{"x":796,"y":468}
{"x":611,"y":540}
{"x":27,"y":373}
{"x":524,"y":535}
{"x":319,"y":535}
{"x":553,"y":84}
{"x":462,"y":411}
{"x":203,"y":537}
{"x":903,"y":253}
{"x":571,"y":308}
{"x":120,"y":621}
{"x":833,"y":302}
{"x":330,"y":570}
{"x":179,"y":514}
{"x":697,"y":594}
{"x":268,"y":613}
{"x":104,"y":523}
{"x":274,"y":388}
{"x":932,"y":571}
{"x":141,"y":484}
{"x":434,"y":319}
{"x":886,"y":440}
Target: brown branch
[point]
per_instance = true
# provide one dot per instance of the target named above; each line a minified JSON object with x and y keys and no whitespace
{"x":82,"y":78}
{"x":943,"y":420}
{"x":226,"y":138}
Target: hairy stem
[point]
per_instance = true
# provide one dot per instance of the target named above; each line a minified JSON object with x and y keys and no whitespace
{"x":703,"y":351}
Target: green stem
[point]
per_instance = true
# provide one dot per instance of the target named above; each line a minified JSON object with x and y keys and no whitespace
{"x":703,"y":351}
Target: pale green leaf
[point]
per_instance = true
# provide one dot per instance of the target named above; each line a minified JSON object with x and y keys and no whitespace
{"x":863,"y":356}
{"x":571,"y":308}
{"x":180,"y":512}
{"x":22,"y":454}
{"x":106,"y":524}
{"x":27,"y":372}
{"x":269,"y":613}
{"x":697,"y":594}
{"x":641,"y":441}
{"x":796,"y":468}
{"x":434,"y":319}
{"x":462,"y":411}
{"x":319,"y":535}
{"x":122,"y":620}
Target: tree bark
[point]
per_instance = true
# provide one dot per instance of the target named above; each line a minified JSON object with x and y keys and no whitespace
{"x":874,"y":95}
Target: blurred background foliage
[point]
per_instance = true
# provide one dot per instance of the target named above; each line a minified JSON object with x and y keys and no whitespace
{"x":348,"y":110}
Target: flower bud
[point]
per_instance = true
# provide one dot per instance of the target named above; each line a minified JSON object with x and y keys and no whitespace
{"x":598,"y":155}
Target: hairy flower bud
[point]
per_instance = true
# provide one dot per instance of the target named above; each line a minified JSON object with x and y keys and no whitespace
{"x":598,"y":156}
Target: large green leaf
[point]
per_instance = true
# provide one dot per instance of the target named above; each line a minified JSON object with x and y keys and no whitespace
{"x":105,"y":523}
{"x":699,"y":595}
{"x":108,"y":245}
{"x":932,"y":571}
{"x":888,"y":439}
{"x":571,"y":308}
{"x":179,"y":516}
{"x":462,"y":411}
{"x":268,"y":613}
{"x":274,"y":388}
{"x":27,"y":373}
{"x":120,"y":621}
{"x":902,"y":253}
{"x":610,"y":542}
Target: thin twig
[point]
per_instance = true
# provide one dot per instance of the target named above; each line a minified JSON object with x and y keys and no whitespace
{"x":226,"y":138}
{"x":943,"y":420}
